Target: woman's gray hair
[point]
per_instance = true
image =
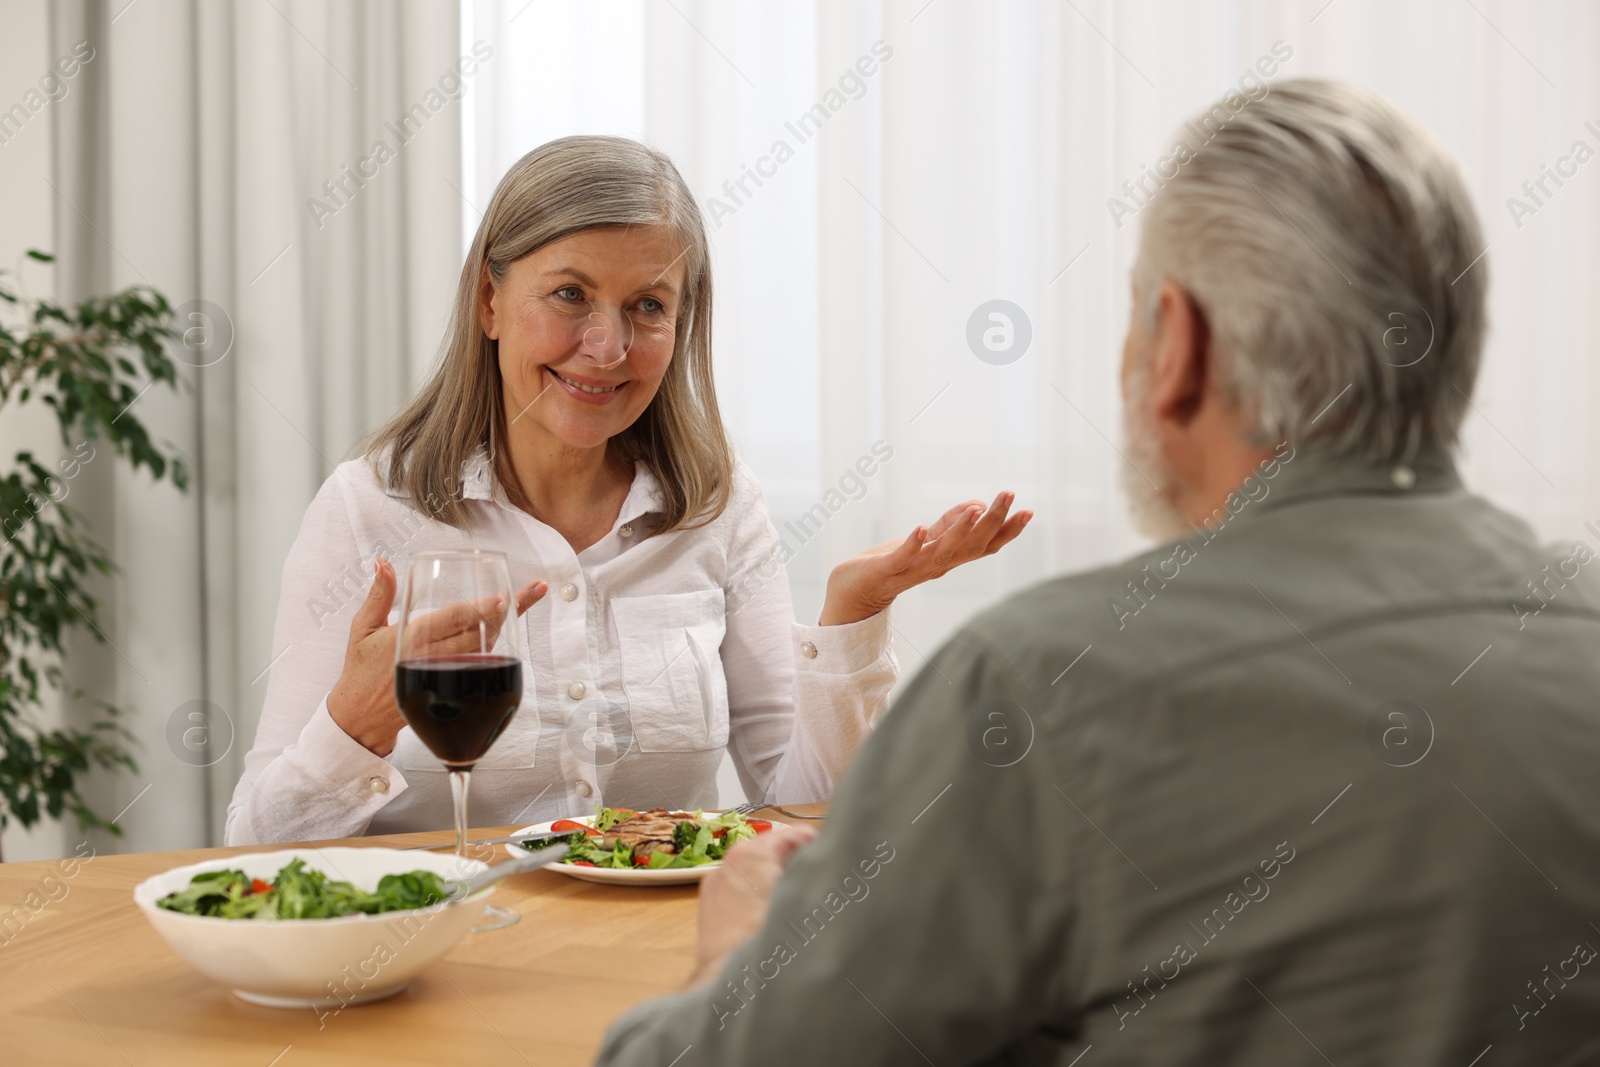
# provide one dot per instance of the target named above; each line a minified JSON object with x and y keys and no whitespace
{"x":1331,"y":245}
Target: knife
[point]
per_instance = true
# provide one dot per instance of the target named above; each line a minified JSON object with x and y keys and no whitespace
{"x":514,"y":839}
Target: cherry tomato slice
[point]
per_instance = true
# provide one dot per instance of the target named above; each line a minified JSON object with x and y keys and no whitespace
{"x":642,"y":861}
{"x":258,"y":886}
{"x":719,"y":831}
{"x":565,"y":825}
{"x":760,"y":826}
{"x":582,"y":863}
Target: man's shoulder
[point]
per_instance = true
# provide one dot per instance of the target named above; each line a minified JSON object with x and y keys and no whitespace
{"x":1182,"y":606}
{"x":1051,"y":610}
{"x":1065,"y":634}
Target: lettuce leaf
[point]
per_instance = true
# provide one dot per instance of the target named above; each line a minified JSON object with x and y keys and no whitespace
{"x":301,"y":893}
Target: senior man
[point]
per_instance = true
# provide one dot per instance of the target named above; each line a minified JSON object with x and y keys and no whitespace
{"x":1315,"y":780}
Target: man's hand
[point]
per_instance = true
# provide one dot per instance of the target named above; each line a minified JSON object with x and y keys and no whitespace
{"x":734,"y":898}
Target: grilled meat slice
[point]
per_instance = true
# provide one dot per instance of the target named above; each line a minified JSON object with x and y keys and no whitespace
{"x":645,"y":832}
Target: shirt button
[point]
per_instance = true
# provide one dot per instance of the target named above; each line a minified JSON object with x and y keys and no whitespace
{"x":1403,"y":477}
{"x":583,"y":788}
{"x":378,"y":785}
{"x":808,"y":650}
{"x":627,"y":529}
{"x":569,"y":592}
{"x":576,"y":690}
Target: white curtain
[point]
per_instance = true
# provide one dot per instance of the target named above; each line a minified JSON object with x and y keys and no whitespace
{"x":975,"y":164}
{"x":192,"y":156}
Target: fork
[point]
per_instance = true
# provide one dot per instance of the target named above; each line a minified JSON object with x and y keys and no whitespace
{"x":742,"y":809}
{"x":746,"y":809}
{"x":795,"y":814}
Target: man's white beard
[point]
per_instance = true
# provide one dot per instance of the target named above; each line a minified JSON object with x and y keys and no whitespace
{"x":1150,"y":506}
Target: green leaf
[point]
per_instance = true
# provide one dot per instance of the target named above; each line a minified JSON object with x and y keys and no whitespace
{"x":299,"y":893}
{"x":86,"y":362}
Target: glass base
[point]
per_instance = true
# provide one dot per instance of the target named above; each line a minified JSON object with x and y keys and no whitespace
{"x":496,"y":919}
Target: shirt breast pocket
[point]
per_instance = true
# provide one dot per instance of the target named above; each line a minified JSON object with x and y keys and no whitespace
{"x":671,"y":651}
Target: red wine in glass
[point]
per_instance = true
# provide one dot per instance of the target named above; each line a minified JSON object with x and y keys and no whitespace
{"x":458,"y":667}
{"x":459,"y":705}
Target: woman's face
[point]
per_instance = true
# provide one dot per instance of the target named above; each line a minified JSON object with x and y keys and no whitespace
{"x":586,"y":326}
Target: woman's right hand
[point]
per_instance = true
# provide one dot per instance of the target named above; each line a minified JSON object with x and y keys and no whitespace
{"x":362,"y":700}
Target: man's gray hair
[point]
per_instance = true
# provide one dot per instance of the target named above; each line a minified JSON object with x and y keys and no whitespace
{"x":1331,"y":245}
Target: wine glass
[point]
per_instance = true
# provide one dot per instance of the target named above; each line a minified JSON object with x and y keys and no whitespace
{"x":458,"y":667}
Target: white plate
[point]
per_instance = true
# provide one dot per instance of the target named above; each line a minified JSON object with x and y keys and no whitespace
{"x":612,"y":875}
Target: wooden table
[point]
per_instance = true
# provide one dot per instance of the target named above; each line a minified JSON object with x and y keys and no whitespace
{"x":87,"y":980}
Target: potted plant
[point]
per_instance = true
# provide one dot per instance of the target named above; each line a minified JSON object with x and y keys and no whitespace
{"x":89,"y":364}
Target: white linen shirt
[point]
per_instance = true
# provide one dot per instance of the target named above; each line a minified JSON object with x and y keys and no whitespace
{"x":648,"y":657}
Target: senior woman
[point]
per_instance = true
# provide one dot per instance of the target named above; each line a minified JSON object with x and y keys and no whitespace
{"x":572,"y":424}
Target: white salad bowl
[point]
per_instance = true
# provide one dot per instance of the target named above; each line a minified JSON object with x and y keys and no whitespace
{"x":331,"y":963}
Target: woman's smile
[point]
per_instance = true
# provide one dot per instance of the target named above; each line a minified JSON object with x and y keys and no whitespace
{"x":587,"y":390}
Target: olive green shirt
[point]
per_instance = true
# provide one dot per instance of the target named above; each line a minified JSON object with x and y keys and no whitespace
{"x":1319,"y":784}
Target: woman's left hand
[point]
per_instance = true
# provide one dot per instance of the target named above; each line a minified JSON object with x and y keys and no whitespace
{"x":861,"y":587}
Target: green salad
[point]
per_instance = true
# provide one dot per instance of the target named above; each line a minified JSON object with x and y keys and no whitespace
{"x":299,"y":893}
{"x":655,"y":840}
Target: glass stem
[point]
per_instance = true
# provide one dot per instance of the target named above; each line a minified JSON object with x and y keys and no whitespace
{"x":459,"y":780}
